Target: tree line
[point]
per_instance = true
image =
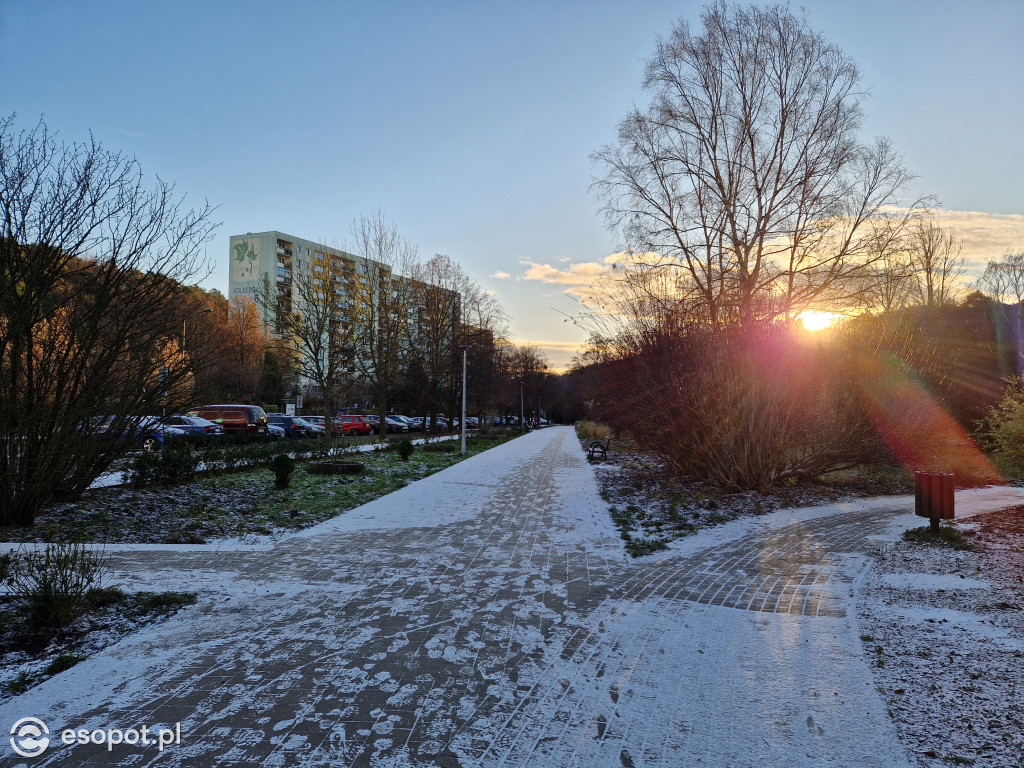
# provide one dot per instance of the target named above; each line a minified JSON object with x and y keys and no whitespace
{"x":100,"y":319}
{"x":745,"y":198}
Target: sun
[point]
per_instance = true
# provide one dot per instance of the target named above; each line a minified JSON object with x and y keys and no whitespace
{"x":814,"y":320}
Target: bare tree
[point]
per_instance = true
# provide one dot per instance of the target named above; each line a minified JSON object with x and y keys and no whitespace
{"x":247,"y":344}
{"x":890,"y":278}
{"x":313,"y":319}
{"x":436,"y":330}
{"x":995,"y":281}
{"x":91,"y":264}
{"x":936,"y":255}
{"x":745,"y":173}
{"x":382,"y":306}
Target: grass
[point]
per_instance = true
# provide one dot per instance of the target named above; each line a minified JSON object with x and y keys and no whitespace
{"x":946,"y":536}
{"x":590,"y":430}
{"x":61,"y":662}
{"x":625,"y":521}
{"x":310,"y":499}
{"x":242,"y":502}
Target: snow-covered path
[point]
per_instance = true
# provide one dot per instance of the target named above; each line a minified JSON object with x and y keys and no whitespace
{"x":487,"y":616}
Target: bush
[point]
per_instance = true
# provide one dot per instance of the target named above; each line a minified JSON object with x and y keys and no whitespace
{"x":283,"y":466}
{"x":52,"y":585}
{"x":176,"y":463}
{"x":1002,"y":430}
{"x":404,"y":447}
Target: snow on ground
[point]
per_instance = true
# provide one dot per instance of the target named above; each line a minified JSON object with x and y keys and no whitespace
{"x":488,"y":613}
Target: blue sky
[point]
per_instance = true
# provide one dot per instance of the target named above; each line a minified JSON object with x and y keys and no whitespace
{"x":471,"y":124}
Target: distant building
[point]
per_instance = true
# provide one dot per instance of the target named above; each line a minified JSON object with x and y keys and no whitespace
{"x":299,"y":271}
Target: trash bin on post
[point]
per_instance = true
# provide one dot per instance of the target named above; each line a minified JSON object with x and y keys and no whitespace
{"x":933,"y":496}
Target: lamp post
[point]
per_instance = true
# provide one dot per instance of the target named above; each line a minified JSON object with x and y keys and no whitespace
{"x":462,"y":424}
{"x":522,"y":408}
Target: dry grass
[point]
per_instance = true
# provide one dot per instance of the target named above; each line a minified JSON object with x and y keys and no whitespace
{"x":591,"y":430}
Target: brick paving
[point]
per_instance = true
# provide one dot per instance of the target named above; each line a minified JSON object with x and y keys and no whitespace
{"x":517,"y":633}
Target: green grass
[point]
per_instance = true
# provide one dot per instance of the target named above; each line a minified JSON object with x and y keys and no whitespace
{"x":62,"y":662}
{"x":946,"y":536}
{"x":21,"y":683}
{"x":310,"y":499}
{"x":201,"y":516}
{"x":641,"y":547}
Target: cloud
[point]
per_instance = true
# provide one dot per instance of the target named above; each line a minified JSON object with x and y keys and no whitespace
{"x":588,"y":281}
{"x":986,"y":236}
{"x":576,"y":274}
{"x":501,"y":275}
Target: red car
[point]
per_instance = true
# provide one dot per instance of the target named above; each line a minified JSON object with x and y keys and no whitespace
{"x":352,"y":424}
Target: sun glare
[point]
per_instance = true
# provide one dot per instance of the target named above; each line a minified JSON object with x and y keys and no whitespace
{"x":817,"y":321}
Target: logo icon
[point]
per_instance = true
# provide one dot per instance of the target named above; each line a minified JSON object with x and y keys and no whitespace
{"x":27,"y":737}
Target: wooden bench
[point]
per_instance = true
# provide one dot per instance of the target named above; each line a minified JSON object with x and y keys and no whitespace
{"x":599,"y":446}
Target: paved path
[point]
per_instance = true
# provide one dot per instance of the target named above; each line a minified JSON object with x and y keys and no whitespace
{"x":487,"y":616}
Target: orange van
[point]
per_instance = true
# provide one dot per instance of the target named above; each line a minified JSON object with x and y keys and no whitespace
{"x":248,"y":419}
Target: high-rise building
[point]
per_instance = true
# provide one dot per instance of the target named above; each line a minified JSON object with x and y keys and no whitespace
{"x":284,"y":261}
{"x":288,"y":276}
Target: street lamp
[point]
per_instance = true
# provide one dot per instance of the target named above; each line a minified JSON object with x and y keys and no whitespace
{"x":462,"y":423}
{"x":522,"y":408}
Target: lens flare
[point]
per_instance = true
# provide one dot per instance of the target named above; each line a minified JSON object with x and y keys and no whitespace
{"x":814,"y":320}
{"x":916,"y":429}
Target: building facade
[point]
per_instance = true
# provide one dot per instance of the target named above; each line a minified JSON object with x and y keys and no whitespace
{"x":315,"y":281}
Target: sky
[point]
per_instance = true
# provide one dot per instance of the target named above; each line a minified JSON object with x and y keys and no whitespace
{"x":470,"y":125}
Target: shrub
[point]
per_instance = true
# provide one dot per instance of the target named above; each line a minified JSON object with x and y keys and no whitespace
{"x":283,"y":466}
{"x":21,"y":683}
{"x":52,"y":585}
{"x":176,"y":463}
{"x":1002,"y":430}
{"x":404,"y":448}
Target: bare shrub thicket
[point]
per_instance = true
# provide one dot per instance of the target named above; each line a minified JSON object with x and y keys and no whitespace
{"x":52,"y":584}
{"x":739,"y":410}
{"x":91,"y":263}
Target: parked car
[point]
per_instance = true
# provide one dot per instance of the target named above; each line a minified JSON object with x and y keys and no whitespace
{"x":275,"y":432}
{"x":249,"y":420}
{"x":315,"y":430}
{"x":394,"y":425}
{"x":293,"y":426}
{"x":146,"y":432}
{"x":193,"y":425}
{"x":410,"y":427}
{"x":319,"y":421}
{"x":416,"y":423}
{"x":352,"y":424}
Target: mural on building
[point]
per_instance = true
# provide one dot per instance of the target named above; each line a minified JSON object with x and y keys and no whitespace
{"x":244,"y":260}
